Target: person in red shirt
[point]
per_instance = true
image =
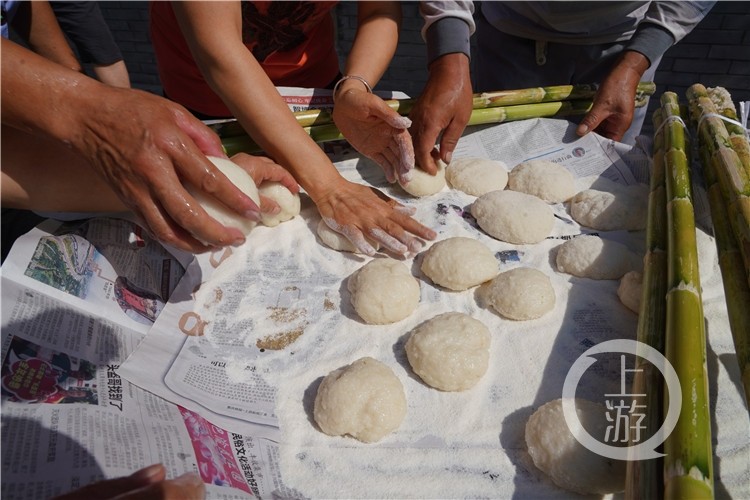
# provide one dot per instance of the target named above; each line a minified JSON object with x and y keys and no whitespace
{"x":225,"y":59}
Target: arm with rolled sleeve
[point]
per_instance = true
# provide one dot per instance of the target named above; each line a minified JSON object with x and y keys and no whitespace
{"x":444,"y":107}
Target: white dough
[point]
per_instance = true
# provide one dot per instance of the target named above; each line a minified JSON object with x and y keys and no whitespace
{"x":549,"y":181}
{"x":513,"y":217}
{"x":556,"y":452}
{"x":624,"y":208}
{"x":459,"y":263}
{"x":477,"y":176}
{"x":592,"y":257}
{"x":219,"y":211}
{"x":424,"y":184}
{"x":364,"y":400}
{"x":521,"y":294}
{"x":383,"y":291}
{"x":338,"y":241}
{"x":629,"y":290}
{"x":289,"y":203}
{"x":449,"y":352}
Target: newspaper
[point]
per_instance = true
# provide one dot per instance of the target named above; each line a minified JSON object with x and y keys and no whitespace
{"x":232,"y":336}
{"x":77,"y":299}
{"x":272,"y":317}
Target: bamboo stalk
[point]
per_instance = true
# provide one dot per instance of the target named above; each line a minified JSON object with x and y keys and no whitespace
{"x":312,"y":117}
{"x":733,"y":178}
{"x":688,"y":464}
{"x":644,"y":477}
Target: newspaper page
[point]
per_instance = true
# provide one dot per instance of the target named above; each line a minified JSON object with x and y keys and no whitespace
{"x":257,"y":327}
{"x":76,"y":301}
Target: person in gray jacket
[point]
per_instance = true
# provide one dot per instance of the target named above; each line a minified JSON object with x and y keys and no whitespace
{"x":531,"y":44}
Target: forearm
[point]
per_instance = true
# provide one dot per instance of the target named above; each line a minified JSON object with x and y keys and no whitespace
{"x":46,"y":38}
{"x":375,"y":43}
{"x":41,"y":97}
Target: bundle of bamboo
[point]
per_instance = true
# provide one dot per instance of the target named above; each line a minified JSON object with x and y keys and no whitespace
{"x":490,"y":107}
{"x":723,"y":150}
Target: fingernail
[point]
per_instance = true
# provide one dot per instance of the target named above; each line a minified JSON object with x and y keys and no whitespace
{"x":448,"y":156}
{"x":583,"y":129}
{"x":252,"y":215}
{"x":189,"y":479}
{"x":149,"y":473}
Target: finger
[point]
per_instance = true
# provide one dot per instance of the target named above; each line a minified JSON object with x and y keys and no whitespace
{"x":402,"y":147}
{"x":413,"y":244}
{"x":449,"y":140}
{"x":206,"y":139}
{"x":385,"y":164}
{"x":186,"y":487}
{"x":269,"y":206}
{"x":591,"y":120}
{"x":424,"y":145}
{"x":388,"y":241}
{"x":263,"y":169}
{"x":414,"y":227}
{"x":353,"y":234}
{"x":112,"y":488}
{"x":202,"y":174}
{"x":389,"y":116}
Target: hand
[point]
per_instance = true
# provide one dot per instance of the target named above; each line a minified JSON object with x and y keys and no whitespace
{"x":614,"y":102}
{"x":146,"y":484}
{"x":376,"y":131}
{"x":443,"y":108}
{"x":263,"y":169}
{"x":357,"y":211}
{"x":145,"y":147}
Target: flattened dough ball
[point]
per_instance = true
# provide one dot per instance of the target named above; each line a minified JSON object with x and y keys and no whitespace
{"x":477,"y":176}
{"x":521,"y":294}
{"x":338,"y":241}
{"x":383,"y":291}
{"x":513,"y":217}
{"x":570,"y":465}
{"x":288,"y":201}
{"x":629,"y":290}
{"x":459,"y":263}
{"x":449,"y":352}
{"x":544,"y":179}
{"x":623,"y":209}
{"x":592,"y":257}
{"x":364,"y":400}
{"x":424,"y":184}
{"x":217,"y":210}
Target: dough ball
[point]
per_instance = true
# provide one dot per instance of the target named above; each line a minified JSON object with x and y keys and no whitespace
{"x":424,"y":184}
{"x":477,"y":176}
{"x":513,"y":217}
{"x":570,"y":465}
{"x":289,"y":203}
{"x":549,"y":181}
{"x":383,"y":291}
{"x":218,"y":210}
{"x":629,"y":290}
{"x":449,"y":352}
{"x":521,"y":294}
{"x":364,"y":400}
{"x":592,"y":257}
{"x":338,"y":241}
{"x":459,"y":263}
{"x":623,"y":209}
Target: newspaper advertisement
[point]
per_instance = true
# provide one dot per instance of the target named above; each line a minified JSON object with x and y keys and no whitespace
{"x":257,"y":327}
{"x":77,"y":299}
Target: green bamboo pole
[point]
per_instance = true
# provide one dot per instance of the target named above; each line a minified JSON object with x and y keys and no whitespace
{"x":500,"y":114}
{"x":313,"y":117}
{"x":736,"y":289}
{"x":644,"y":477}
{"x":733,"y":178}
{"x":688,"y":464}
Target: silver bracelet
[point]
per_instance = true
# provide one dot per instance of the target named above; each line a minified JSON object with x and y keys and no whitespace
{"x":350,"y":77}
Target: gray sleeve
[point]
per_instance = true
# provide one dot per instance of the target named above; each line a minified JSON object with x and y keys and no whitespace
{"x":651,"y":40}
{"x":448,"y":27}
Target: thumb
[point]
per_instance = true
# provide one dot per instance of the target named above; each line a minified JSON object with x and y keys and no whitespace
{"x":591,"y":120}
{"x":449,"y":140}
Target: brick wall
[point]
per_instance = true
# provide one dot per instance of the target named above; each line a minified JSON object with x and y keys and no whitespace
{"x":716,"y":53}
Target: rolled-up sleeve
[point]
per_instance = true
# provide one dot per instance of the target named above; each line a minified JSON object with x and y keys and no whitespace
{"x":448,"y":27}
